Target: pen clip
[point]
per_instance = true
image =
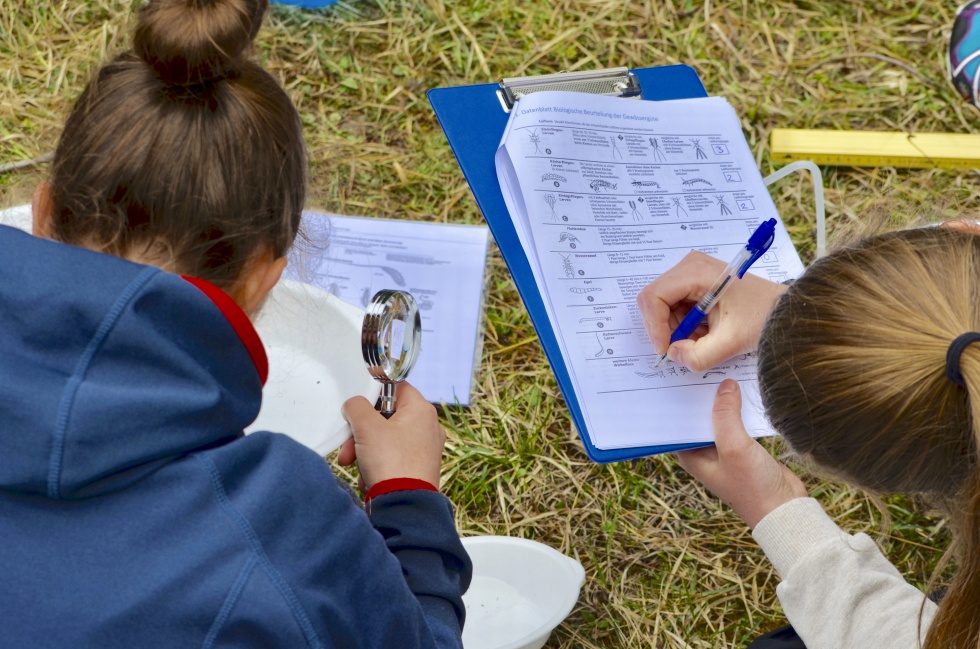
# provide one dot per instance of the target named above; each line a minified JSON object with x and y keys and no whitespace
{"x":758,"y":244}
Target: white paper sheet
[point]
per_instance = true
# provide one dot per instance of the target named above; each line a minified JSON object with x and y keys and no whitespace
{"x":606,"y":195}
{"x":442,"y":265}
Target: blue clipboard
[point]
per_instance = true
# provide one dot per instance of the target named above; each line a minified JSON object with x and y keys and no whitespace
{"x":473,"y":119}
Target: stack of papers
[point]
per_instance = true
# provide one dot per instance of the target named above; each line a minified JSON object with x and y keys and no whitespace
{"x":442,"y":266}
{"x":606,"y":194}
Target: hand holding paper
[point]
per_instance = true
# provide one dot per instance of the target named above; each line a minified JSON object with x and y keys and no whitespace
{"x":737,"y":469}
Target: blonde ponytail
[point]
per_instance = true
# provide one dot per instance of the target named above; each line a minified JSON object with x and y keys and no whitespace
{"x":852,"y":372}
{"x":957,"y":623}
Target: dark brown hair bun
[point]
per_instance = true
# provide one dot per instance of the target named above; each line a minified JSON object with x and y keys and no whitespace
{"x":190,"y":42}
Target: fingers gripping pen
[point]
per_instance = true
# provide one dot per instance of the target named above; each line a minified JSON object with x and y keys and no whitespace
{"x":757,"y":246}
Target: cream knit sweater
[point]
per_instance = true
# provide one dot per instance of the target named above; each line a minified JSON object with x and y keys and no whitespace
{"x":838,"y":591}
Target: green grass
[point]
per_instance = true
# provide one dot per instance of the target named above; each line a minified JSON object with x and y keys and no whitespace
{"x":666,"y":564}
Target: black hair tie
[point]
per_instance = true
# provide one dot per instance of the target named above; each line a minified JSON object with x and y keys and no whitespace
{"x":953,"y":354}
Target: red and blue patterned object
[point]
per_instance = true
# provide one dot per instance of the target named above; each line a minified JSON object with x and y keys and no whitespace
{"x":964,"y":52}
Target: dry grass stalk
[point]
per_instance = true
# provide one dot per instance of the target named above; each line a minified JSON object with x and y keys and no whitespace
{"x":667,"y":566}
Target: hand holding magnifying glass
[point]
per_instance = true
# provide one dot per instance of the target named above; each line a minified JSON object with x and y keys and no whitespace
{"x":391,"y":336}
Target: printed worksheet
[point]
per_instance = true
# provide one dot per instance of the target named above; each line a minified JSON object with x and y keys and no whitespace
{"x":606,"y":195}
{"x":441,"y":265}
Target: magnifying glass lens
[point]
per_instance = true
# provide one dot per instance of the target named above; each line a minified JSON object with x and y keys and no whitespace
{"x":400,"y":338}
{"x":390,"y":340}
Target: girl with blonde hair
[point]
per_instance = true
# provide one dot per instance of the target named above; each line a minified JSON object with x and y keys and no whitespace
{"x":869,"y":366}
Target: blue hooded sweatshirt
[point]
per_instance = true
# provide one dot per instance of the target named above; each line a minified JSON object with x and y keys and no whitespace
{"x":133,"y":511}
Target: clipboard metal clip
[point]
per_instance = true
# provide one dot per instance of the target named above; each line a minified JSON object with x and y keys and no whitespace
{"x":613,"y":82}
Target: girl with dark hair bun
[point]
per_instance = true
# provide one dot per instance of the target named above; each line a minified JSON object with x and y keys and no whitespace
{"x":133,"y":510}
{"x":869,"y":367}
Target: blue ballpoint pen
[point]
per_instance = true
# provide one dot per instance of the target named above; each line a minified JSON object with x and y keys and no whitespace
{"x":757,"y":246}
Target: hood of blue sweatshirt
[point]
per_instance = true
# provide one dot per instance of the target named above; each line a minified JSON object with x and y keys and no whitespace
{"x":109,"y":370}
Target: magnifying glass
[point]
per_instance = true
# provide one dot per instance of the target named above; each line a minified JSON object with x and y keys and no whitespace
{"x":391,"y":336}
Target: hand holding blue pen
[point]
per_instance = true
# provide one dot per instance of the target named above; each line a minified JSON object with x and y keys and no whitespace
{"x":758,"y":244}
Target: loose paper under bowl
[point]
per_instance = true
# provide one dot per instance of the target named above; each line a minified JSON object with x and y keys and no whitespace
{"x":313,"y":341}
{"x":521,"y":591}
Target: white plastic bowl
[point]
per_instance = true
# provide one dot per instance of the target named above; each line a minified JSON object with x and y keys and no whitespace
{"x":19,"y":217}
{"x":521,"y":591}
{"x":313,"y":341}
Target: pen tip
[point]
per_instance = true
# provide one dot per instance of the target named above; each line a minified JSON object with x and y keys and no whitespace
{"x":661,"y":361}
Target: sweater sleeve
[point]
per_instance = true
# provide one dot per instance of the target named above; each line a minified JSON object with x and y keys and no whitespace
{"x":419,"y":530}
{"x":838,"y":591}
{"x":392,"y":582}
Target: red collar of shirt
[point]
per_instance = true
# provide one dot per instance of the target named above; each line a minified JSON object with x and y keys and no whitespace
{"x":239,"y":322}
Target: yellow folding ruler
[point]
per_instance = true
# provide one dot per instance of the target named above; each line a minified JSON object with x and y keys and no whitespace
{"x":876,"y":148}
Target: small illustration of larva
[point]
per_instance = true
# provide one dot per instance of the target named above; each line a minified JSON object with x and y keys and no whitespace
{"x":535,"y":140}
{"x":725,"y":210}
{"x":658,"y":155}
{"x":615,"y":149}
{"x":555,"y":178}
{"x":566,"y":265}
{"x":551,"y":200}
{"x":393,"y":273}
{"x":699,"y":152}
{"x":569,"y":237}
{"x":680,"y":211}
{"x":640,"y":184}
{"x":635,"y":212}
{"x":651,"y":372}
{"x":650,"y":375}
{"x":696,"y":181}
{"x":707,"y":374}
{"x":602,"y":349}
{"x":598,"y":320}
{"x":598,"y":185}
{"x":580,"y":290}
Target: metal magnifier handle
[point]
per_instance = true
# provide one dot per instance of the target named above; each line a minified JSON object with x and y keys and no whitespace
{"x":391,"y":336}
{"x":387,"y":404}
